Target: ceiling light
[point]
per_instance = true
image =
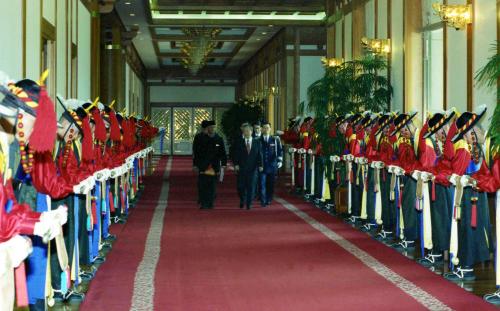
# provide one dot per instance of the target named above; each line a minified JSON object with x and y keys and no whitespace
{"x":127,"y":3}
{"x":271,"y":25}
{"x":318,"y":17}
{"x":264,"y":33}
{"x":132,"y":14}
{"x":258,"y":39}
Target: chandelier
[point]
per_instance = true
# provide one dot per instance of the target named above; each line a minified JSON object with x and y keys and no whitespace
{"x":199,"y":45}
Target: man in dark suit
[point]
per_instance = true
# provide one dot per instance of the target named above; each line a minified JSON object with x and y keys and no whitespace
{"x":209,"y":156}
{"x":247,"y":161}
{"x":272,"y":154}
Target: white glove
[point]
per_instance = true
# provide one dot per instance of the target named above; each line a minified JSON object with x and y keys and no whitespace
{"x":453,"y":178}
{"x":81,"y":188}
{"x":362,"y":160}
{"x":99,"y":176}
{"x":90,"y":181}
{"x":280,"y":164}
{"x":47,"y":230}
{"x":59,"y":215}
{"x":426,"y":176}
{"x":334,"y":158}
{"x":113,"y":173}
{"x":399,"y":171}
{"x":396,"y":170}
{"x":19,"y":247}
{"x":377,"y":164}
{"x":466,"y":181}
{"x":349,"y":157}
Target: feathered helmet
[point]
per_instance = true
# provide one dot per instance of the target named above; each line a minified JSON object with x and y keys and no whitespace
{"x":31,"y":97}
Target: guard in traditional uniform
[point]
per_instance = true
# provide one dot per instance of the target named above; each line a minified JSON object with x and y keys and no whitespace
{"x":471,"y":231}
{"x":209,"y":159}
{"x":405,"y":163}
{"x":438,"y":129}
{"x":272,"y":154}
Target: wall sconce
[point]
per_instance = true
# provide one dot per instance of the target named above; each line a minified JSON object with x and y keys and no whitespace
{"x":454,"y":15}
{"x":332,"y":62}
{"x":274,"y":90}
{"x":377,"y":46}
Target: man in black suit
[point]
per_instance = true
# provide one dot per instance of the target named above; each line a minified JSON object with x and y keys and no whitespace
{"x":209,"y":156}
{"x":247,"y":161}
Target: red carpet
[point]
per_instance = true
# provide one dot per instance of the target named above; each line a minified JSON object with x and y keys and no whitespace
{"x":263,"y":259}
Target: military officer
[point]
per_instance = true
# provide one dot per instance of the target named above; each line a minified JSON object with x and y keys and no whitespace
{"x":272,"y":153}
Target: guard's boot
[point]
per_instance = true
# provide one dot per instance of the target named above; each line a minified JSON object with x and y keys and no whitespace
{"x":461,"y":274}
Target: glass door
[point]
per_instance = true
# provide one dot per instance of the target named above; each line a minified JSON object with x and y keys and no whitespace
{"x":182,"y":126}
{"x":161,"y":118}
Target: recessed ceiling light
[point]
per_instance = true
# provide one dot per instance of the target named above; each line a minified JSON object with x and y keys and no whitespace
{"x":132,"y":14}
{"x":127,"y":2}
{"x":271,"y":25}
{"x":264,"y":33}
{"x":258,"y":39}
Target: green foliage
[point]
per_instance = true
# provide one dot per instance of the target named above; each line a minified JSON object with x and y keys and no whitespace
{"x":490,"y":73}
{"x":244,"y":110}
{"x":488,"y":76}
{"x":351,"y":87}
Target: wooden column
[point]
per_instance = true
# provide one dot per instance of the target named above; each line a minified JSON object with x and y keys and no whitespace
{"x":296,"y":72}
{"x":330,"y":30}
{"x":413,"y":48}
{"x":358,"y":27}
{"x":95,"y":47}
{"x":470,"y":55}
{"x":113,"y":68}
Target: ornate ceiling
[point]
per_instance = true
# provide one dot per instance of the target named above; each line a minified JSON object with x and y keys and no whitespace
{"x":246,"y":25}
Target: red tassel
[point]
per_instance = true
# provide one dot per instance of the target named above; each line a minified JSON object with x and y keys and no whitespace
{"x":94,"y":213}
{"x":21,"y":289}
{"x":87,"y":144}
{"x":114,"y":127}
{"x":44,"y":132}
{"x":433,"y":189}
{"x":100,"y":128}
{"x":473,"y":220}
{"x":111,"y":203}
{"x":400,"y":198}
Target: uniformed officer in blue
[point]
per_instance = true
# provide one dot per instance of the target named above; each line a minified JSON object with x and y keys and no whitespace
{"x":272,"y":153}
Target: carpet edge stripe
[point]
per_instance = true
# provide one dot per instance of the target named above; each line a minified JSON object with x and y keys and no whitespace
{"x":143,"y":293}
{"x":408,"y":287}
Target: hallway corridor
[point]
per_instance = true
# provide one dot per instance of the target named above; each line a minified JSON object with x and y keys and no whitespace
{"x":172,"y":256}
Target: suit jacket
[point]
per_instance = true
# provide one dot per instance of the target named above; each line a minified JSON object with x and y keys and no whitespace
{"x":272,"y":153}
{"x":248,"y":162}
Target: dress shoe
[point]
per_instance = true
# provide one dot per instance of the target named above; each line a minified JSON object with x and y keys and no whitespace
{"x":241,"y":205}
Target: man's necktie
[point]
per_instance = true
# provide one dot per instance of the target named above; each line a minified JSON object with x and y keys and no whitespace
{"x":248,"y":146}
